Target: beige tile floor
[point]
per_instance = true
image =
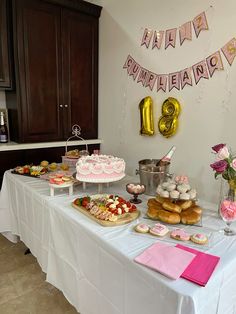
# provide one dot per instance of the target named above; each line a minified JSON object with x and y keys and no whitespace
{"x":23,"y":289}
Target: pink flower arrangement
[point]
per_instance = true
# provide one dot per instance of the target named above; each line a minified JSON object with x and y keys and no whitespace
{"x":225,"y":163}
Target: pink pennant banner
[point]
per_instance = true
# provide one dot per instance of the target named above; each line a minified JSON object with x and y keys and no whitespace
{"x":170,"y":37}
{"x":134,"y":70}
{"x":161,"y":82}
{"x":185,"y":32}
{"x":229,"y":51}
{"x":200,"y":71}
{"x":174,"y":81}
{"x":143,"y":75}
{"x":157,"y":39}
{"x":128,"y":63}
{"x":147,"y":36}
{"x":186,"y":77}
{"x":151,"y":79}
{"x":200,"y":23}
{"x":214,"y":63}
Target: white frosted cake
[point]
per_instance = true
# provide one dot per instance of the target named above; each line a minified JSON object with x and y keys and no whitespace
{"x":100,"y":168}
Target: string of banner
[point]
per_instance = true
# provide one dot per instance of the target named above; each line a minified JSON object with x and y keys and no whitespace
{"x":179,"y":79}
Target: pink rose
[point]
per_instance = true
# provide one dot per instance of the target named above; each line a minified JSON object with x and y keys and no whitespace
{"x":219,"y":166}
{"x":233,"y":164}
{"x":218,"y":147}
{"x":223,"y":153}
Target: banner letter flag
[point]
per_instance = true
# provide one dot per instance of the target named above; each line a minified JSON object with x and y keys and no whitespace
{"x":157,"y":39}
{"x":147,"y":36}
{"x":200,"y":23}
{"x":185,"y":32}
{"x":134,"y":70}
{"x":229,"y":51}
{"x":143,"y":75}
{"x":186,"y":77}
{"x":128,"y":63}
{"x":151,"y":79}
{"x":161,"y":82}
{"x":174,"y":81}
{"x":214,"y":62}
{"x":200,"y":71}
{"x":170,"y":37}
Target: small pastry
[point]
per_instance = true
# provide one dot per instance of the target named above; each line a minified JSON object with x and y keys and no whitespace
{"x":168,"y":217}
{"x":171,"y":207}
{"x":66,"y":179}
{"x":152,"y":202}
{"x":165,"y":185}
{"x":182,"y":188}
{"x":184,"y":204}
{"x":171,"y":187}
{"x":160,"y":199}
{"x":159,"y":230}
{"x":164,"y":194}
{"x":159,"y":189}
{"x":186,"y":186}
{"x":190,"y":217}
{"x":180,"y":234}
{"x":199,"y":238}
{"x":197,"y":209}
{"x":174,"y":194}
{"x":44,"y":163}
{"x":184,"y":196}
{"x":192,"y":193}
{"x":153,"y":212}
{"x":142,"y":228}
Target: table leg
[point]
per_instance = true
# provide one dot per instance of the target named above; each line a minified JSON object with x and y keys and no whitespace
{"x":71,"y":190}
{"x":51,"y":191}
{"x":84,"y":185}
{"x":99,"y":188}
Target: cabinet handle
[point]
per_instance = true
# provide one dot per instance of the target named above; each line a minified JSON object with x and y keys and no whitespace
{"x":60,"y":106}
{"x":66,"y":106}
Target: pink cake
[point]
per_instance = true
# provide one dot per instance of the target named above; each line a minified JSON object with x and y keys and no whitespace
{"x":100,"y":168}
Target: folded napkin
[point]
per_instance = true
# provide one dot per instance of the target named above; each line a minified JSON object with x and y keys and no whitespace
{"x":166,"y":259}
{"x":201,"y":268}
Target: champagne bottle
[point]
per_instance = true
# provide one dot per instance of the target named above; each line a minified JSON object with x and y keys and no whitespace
{"x":3,"y":129}
{"x":167,"y":157}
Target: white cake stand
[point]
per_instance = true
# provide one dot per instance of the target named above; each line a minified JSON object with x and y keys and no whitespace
{"x":99,"y":182}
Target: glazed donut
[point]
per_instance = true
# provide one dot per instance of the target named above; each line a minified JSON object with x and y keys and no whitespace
{"x":184,"y":204}
{"x":152,"y":212}
{"x":171,"y":207}
{"x":190,"y":217}
{"x":152,"y":202}
{"x":197,"y":209}
{"x":168,"y":217}
{"x":160,"y":199}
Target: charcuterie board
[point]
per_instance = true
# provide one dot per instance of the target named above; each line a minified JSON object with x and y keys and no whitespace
{"x":102,"y":210}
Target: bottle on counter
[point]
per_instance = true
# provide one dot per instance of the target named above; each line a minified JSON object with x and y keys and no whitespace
{"x":167,"y":157}
{"x":3,"y":129}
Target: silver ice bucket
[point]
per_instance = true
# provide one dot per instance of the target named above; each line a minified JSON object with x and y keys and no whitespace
{"x":151,"y":174}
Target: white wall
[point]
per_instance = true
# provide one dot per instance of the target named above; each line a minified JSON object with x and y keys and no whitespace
{"x":2,"y":100}
{"x":208,"y":109}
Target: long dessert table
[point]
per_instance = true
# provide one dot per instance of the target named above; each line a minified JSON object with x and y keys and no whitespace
{"x":93,"y":265}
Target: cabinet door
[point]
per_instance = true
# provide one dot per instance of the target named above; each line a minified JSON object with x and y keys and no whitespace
{"x":39,"y":69}
{"x":5,"y":69}
{"x":80,"y":55}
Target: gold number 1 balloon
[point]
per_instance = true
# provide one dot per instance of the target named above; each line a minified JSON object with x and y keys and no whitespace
{"x":168,"y":123}
{"x":146,"y":116}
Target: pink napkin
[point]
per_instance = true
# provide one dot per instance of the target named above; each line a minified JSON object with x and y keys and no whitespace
{"x":168,"y":260}
{"x":201,"y":268}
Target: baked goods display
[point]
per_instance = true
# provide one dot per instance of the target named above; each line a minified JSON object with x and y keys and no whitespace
{"x":100,"y":168}
{"x":73,"y":153}
{"x":178,"y":188}
{"x":174,"y":212}
{"x":60,"y":179}
{"x":107,"y":210}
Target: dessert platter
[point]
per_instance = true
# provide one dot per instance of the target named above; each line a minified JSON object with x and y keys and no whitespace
{"x":107,"y":210}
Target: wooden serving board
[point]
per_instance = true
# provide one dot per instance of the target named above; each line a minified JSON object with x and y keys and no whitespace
{"x":122,"y":219}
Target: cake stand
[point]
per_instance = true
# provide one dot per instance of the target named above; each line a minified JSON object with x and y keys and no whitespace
{"x":99,"y":182}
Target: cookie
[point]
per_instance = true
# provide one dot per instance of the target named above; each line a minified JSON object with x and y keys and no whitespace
{"x":179,"y":234}
{"x":142,"y":228}
{"x":199,"y":238}
{"x":159,"y":230}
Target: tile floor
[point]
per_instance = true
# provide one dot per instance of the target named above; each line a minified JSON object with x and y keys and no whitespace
{"x":23,"y":289}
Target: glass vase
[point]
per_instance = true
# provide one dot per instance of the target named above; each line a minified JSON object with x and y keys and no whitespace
{"x":227,"y":190}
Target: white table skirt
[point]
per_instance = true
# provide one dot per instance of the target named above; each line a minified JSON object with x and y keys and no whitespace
{"x":93,"y":265}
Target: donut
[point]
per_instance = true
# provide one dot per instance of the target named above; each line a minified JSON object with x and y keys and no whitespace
{"x":171,"y":207}
{"x":153,"y":202}
{"x":199,"y":238}
{"x":168,"y":217}
{"x":160,"y":199}
{"x":184,"y":204}
{"x":179,"y":234}
{"x":152,"y":212}
{"x":159,"y":230}
{"x":142,"y":228}
{"x":197,"y":209}
{"x":190,"y":217}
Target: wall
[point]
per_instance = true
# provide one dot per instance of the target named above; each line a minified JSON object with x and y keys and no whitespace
{"x":2,"y":100}
{"x":208,"y":109}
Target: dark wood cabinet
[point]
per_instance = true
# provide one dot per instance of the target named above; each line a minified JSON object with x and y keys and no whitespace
{"x":56,"y":65}
{"x":5,"y":56}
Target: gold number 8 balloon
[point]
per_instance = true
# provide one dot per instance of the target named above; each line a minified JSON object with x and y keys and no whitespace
{"x":146,"y":116}
{"x":168,"y":123}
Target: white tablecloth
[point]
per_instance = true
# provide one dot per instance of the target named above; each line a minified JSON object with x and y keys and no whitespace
{"x":93,"y":265}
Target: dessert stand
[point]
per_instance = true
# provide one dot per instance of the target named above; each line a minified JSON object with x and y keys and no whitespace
{"x":61,"y":186}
